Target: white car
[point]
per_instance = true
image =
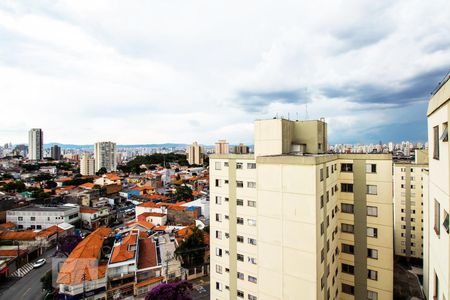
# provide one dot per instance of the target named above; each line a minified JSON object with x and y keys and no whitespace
{"x":39,"y":263}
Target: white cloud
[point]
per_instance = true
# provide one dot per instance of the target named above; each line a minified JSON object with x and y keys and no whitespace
{"x":176,"y":71}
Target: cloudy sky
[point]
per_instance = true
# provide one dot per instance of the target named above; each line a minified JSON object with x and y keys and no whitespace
{"x":178,"y":71}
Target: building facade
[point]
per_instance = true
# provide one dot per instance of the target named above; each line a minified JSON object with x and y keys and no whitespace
{"x":194,"y":154}
{"x":40,"y":217}
{"x":87,"y":165}
{"x":437,"y":242}
{"x":55,"y":152}
{"x":291,"y":220}
{"x":241,"y":149}
{"x":105,"y":156}
{"x":222,"y":147}
{"x":408,"y":207}
{"x":35,"y":144}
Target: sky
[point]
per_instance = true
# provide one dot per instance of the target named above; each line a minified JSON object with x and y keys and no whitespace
{"x":137,"y":72}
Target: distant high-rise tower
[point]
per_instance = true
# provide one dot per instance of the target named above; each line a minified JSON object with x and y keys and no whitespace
{"x":55,"y":152}
{"x":87,"y":165}
{"x":194,"y":154}
{"x":222,"y":147}
{"x":35,"y":144}
{"x":241,"y":149}
{"x":105,"y":156}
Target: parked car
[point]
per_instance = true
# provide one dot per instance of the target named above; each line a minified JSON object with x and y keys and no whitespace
{"x":39,"y":263}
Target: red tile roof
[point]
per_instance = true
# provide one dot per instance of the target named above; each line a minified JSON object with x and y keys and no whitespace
{"x":7,"y":225}
{"x":10,"y":253}
{"x":50,"y":231}
{"x":147,"y":254}
{"x":149,"y":281}
{"x":123,"y":251}
{"x":149,"y":204}
{"x":83,"y":259}
{"x":85,"y":210}
{"x":87,"y":185}
{"x":26,"y":235}
{"x":112,"y":176}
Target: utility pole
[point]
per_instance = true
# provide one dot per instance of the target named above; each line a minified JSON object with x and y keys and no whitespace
{"x":84,"y":285}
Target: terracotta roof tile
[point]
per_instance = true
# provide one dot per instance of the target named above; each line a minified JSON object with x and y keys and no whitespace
{"x":147,"y":254}
{"x":124,"y":251}
{"x":149,"y":281}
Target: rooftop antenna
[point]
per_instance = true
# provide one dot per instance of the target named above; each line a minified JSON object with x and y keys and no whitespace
{"x":306,"y":111}
{"x":297,"y":115}
{"x":288,"y":117}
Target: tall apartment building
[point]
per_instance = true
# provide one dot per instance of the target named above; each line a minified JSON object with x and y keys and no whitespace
{"x":222,"y":147}
{"x":35,"y":144}
{"x":436,"y":227}
{"x":105,"y":156}
{"x":408,"y":206}
{"x":241,"y":149}
{"x":194,"y":154}
{"x":55,"y":152}
{"x":291,"y":222}
{"x":87,"y":165}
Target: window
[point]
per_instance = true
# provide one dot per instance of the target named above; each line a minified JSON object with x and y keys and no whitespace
{"x":218,"y":217}
{"x":251,"y":184}
{"x":437,"y":208}
{"x":239,"y":165}
{"x":348,"y":228}
{"x":240,"y":238}
{"x":38,"y":226}
{"x":218,"y":200}
{"x":227,"y":199}
{"x":240,"y":275}
{"x":349,"y":249}
{"x":240,"y":294}
{"x":219,"y":269}
{"x":372,"y":295}
{"x":321,"y":201}
{"x":444,"y":136}
{"x":328,"y":172}
{"x":348,"y":289}
{"x":446,"y":221}
{"x":218,"y":235}
{"x":218,"y":286}
{"x":33,"y":218}
{"x":218,"y":165}
{"x":436,"y":142}
{"x":371,"y":189}
{"x":347,"y":187}
{"x":251,"y":297}
{"x":251,"y":260}
{"x":372,"y":232}
{"x":239,"y":202}
{"x":20,"y":218}
{"x":225,"y":164}
{"x":373,"y":275}
{"x":217,"y":183}
{"x":251,"y":241}
{"x":252,"y":279}
{"x":226,"y":181}
{"x":372,"y":211}
{"x":251,"y":165}
{"x":218,"y":252}
{"x":348,"y":269}
{"x":240,"y":257}
{"x":321,"y":174}
{"x":322,"y":229}
{"x":239,"y":184}
{"x":371,"y":168}
{"x":251,"y":203}
{"x":346,"y":167}
{"x":240,"y":220}
{"x":347,"y":208}
{"x":251,"y":222}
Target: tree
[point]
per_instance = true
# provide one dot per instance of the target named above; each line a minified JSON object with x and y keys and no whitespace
{"x":192,"y":249}
{"x":46,"y":281}
{"x":183,"y":193}
{"x":101,"y":171}
{"x":68,"y":243}
{"x":16,"y":186}
{"x":171,"y":291}
{"x":43,"y":177}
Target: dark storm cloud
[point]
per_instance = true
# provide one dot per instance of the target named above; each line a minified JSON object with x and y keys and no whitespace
{"x":416,"y":88}
{"x":254,"y":101}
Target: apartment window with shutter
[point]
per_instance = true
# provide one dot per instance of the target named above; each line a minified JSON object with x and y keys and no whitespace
{"x":348,"y":228}
{"x":372,"y":211}
{"x":240,"y":238}
{"x":347,"y":208}
{"x":219,"y":269}
{"x":239,"y":184}
{"x":218,"y":165}
{"x":218,"y":200}
{"x":371,"y":295}
{"x":239,"y":202}
{"x":251,"y":166}
{"x":240,"y":220}
{"x":349,"y":269}
{"x":321,"y":174}
{"x":373,"y":275}
{"x":240,"y":294}
{"x":348,"y":289}
{"x":371,"y":189}
{"x":437,"y":216}
{"x":371,"y":168}
{"x":444,"y":136}
{"x":239,"y":165}
{"x":446,"y":221}
{"x":349,"y":249}
{"x":251,"y":203}
{"x":372,"y":232}
{"x":251,"y":184}
{"x":240,"y":257}
{"x":217,"y":182}
{"x":347,"y":187}
{"x":436,"y":142}
{"x":240,"y":275}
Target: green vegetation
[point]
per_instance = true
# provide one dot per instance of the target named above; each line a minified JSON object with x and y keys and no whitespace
{"x":101,"y":171}
{"x":154,"y":159}
{"x":183,"y":193}
{"x":16,"y":186}
{"x":192,"y":249}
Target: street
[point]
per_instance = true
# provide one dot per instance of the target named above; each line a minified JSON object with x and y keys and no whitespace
{"x":29,"y":287}
{"x":200,"y":289}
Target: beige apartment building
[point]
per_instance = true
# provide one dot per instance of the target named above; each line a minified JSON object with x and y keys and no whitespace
{"x":194,"y":154}
{"x":87,"y":165}
{"x":105,"y":156}
{"x":292,"y":222}
{"x":408,"y":206}
{"x":436,"y":227}
{"x":222,"y":147}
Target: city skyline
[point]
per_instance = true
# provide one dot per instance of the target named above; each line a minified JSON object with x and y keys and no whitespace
{"x":77,"y":72}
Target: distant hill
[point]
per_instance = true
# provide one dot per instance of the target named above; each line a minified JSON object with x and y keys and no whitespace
{"x":80,"y":147}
